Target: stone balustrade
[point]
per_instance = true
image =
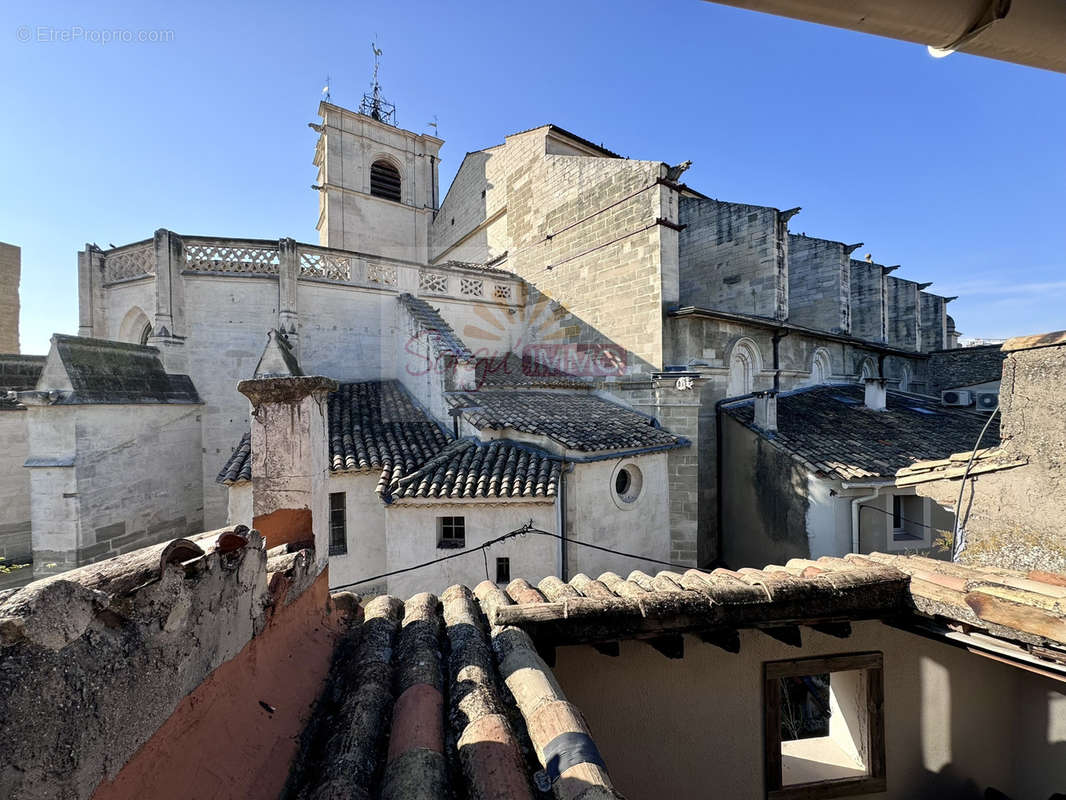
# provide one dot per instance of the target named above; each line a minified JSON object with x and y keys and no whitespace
{"x":201,"y":255}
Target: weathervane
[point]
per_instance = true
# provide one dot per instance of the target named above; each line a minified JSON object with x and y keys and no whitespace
{"x":374,"y":105}
{"x":325,"y":90}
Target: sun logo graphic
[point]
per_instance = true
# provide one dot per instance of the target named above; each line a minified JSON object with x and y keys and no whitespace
{"x":530,"y":342}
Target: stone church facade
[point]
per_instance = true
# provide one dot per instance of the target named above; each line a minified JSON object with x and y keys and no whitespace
{"x":659,"y":299}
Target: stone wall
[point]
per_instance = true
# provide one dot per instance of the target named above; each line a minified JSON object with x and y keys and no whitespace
{"x":964,"y":366}
{"x":903,"y":317}
{"x":10,"y":275}
{"x":734,"y":257}
{"x":1013,"y":517}
{"x":868,"y":301}
{"x":819,"y":284}
{"x":934,"y":311}
{"x":109,"y":479}
{"x":109,"y":660}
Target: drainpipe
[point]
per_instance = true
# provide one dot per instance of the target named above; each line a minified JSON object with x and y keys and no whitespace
{"x":855,"y":510}
{"x":560,"y":521}
{"x":779,"y":334}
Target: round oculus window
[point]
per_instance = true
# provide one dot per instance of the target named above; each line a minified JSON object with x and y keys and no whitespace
{"x":628,"y":482}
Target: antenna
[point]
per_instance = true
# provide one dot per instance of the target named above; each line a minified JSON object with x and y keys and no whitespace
{"x":374,"y":105}
{"x":325,"y":90}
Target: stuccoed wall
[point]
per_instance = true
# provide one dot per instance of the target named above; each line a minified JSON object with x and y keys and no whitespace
{"x":764,"y":501}
{"x":239,"y":498}
{"x":411,"y":539}
{"x":594,"y":514}
{"x":365,"y":518}
{"x":955,"y":723}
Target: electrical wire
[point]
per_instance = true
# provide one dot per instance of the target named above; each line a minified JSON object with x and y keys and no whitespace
{"x":483,"y":548}
{"x":894,"y":515}
{"x":958,"y":536}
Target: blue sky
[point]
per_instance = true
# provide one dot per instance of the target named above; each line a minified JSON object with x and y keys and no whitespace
{"x":954,"y":168}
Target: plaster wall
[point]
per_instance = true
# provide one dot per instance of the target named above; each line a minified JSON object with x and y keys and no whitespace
{"x":734,"y":257}
{"x":122,"y":298}
{"x":15,"y":525}
{"x":955,"y":723}
{"x":595,"y":514}
{"x":819,"y":284}
{"x":765,"y":501}
{"x":411,"y":539}
{"x":239,"y":504}
{"x":365,"y":521}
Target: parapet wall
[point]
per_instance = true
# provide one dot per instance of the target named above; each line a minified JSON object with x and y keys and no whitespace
{"x":96,"y":661}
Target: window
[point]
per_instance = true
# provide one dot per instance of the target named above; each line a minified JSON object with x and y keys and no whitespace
{"x":744,"y":365}
{"x":824,"y":726}
{"x":503,"y":570}
{"x":385,"y":181}
{"x":146,"y":334}
{"x":338,"y":525}
{"x":821,"y":367}
{"x":451,"y":533}
{"x":911,"y":522}
{"x":628,"y":481}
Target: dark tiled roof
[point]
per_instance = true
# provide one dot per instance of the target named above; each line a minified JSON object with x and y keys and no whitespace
{"x":512,"y":371}
{"x":238,"y":466}
{"x":830,"y":429}
{"x":445,"y":340}
{"x":578,"y":421}
{"x":18,"y":373}
{"x":468,"y":469}
{"x":375,"y":425}
{"x":102,"y":371}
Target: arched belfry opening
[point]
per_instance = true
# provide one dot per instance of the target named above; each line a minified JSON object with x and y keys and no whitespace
{"x":385,"y":180}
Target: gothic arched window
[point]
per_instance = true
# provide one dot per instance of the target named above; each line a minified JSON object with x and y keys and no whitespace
{"x":146,"y":333}
{"x":385,"y":180}
{"x":744,"y":365}
{"x":821,"y":367}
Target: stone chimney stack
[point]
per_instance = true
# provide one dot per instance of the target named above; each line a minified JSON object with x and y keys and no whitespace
{"x":766,"y":411}
{"x":876,"y":396}
{"x":290,"y":451}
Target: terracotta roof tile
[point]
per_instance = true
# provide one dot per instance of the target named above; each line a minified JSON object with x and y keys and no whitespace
{"x":830,"y":428}
{"x":469,"y":469}
{"x":578,"y":421}
{"x":445,"y":340}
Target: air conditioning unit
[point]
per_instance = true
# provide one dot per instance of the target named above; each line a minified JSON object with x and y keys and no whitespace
{"x":987,"y":401}
{"x":956,"y":397}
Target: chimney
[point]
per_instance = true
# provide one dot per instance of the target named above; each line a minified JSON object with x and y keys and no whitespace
{"x":766,"y":411}
{"x":875,"y":394}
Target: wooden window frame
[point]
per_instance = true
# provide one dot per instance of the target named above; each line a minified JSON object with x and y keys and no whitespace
{"x":870,"y":662}
{"x":451,"y":542}
{"x":338,"y":548}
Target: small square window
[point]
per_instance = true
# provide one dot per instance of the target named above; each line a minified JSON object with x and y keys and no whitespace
{"x":824,"y":727}
{"x":503,"y":570}
{"x":451,"y":533}
{"x":338,"y":525}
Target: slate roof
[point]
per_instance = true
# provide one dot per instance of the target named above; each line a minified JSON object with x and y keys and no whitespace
{"x":102,"y":371}
{"x":469,"y":469}
{"x":578,"y":421}
{"x":513,"y":371}
{"x":238,"y":467}
{"x":18,"y":373}
{"x":445,"y":340}
{"x":470,"y":665}
{"x":830,"y":429}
